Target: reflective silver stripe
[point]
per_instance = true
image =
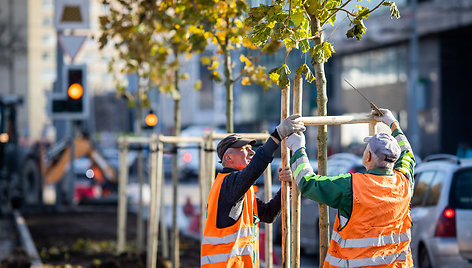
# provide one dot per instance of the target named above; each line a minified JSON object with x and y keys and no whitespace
{"x":225,"y":256}
{"x":303,"y":173}
{"x":299,"y":161}
{"x":378,"y":260}
{"x":371,"y":241}
{"x":215,"y":240}
{"x":342,"y":221}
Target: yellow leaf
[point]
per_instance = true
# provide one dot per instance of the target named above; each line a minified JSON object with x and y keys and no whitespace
{"x":274,"y":77}
{"x":245,"y":81}
{"x":214,"y":65}
{"x":271,"y":25}
{"x":244,"y":59}
{"x":205,"y":60}
{"x":247,"y":43}
{"x":177,"y":26}
{"x":198,"y":85}
{"x":238,"y":23}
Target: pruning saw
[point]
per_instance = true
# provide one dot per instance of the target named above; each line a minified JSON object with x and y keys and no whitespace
{"x":372,"y":105}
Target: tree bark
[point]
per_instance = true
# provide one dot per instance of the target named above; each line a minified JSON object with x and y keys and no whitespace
{"x":229,"y":91}
{"x":321,"y":101}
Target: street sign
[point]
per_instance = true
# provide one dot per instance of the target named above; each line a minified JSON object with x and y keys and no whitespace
{"x":72,"y":14}
{"x":71,"y":44}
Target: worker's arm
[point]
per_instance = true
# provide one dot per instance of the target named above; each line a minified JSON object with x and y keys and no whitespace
{"x":335,"y":191}
{"x":269,"y":211}
{"x":236,"y":184}
{"x":406,"y":162}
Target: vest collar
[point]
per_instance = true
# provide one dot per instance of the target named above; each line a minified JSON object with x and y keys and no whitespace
{"x":380,"y":171}
{"x":228,"y":170}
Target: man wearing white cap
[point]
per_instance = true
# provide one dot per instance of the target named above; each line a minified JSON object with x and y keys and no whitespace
{"x":372,"y":226}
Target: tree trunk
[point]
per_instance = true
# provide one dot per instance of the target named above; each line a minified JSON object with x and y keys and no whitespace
{"x":321,"y":101}
{"x":175,"y":173}
{"x":229,"y":91}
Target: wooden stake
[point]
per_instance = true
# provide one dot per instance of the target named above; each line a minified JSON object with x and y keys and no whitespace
{"x":285,"y":104}
{"x":269,"y":249}
{"x":153,"y":208}
{"x":295,"y":250}
{"x":122,"y":184}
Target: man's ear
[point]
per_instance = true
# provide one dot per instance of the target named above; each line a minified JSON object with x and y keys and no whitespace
{"x":227,"y":158}
{"x":369,"y":156}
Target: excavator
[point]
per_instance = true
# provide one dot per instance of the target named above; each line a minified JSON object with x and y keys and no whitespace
{"x":26,"y":169}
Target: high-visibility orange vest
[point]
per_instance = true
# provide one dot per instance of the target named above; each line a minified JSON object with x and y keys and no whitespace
{"x":378,"y":231}
{"x":236,"y":245}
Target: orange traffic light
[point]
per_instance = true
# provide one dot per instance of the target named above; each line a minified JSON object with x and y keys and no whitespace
{"x":75,"y":91}
{"x":151,"y":119}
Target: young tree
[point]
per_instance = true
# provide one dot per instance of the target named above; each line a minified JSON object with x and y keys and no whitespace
{"x":150,"y":37}
{"x":300,"y":24}
{"x":221,"y":25}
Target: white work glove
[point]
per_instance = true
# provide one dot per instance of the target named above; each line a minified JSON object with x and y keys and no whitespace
{"x":285,"y":174}
{"x":290,"y":125}
{"x":387,"y":118}
{"x":295,"y":141}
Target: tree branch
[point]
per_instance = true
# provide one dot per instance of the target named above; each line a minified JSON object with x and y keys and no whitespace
{"x":342,"y":9}
{"x":334,"y":13}
{"x":376,"y":6}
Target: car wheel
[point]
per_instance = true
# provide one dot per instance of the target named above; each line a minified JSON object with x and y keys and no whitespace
{"x":423,"y":259}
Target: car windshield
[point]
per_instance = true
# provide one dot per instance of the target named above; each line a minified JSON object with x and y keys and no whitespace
{"x":461,"y":192}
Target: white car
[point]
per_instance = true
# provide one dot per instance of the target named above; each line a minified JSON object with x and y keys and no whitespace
{"x":441,"y":211}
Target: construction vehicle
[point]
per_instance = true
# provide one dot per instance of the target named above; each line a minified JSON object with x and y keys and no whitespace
{"x":25,"y":170}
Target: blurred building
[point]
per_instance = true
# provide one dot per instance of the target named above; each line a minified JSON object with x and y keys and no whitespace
{"x":431,"y":43}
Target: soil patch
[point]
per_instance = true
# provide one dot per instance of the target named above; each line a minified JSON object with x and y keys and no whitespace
{"x":88,"y":239}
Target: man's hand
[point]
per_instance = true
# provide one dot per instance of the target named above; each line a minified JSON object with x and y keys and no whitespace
{"x":290,"y":125}
{"x":285,"y":174}
{"x":296,"y":141}
{"x":387,"y":118}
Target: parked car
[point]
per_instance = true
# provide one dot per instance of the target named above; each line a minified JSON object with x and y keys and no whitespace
{"x":441,"y":211}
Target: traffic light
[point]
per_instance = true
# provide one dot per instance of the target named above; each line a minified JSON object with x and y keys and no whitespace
{"x":72,"y":104}
{"x":150,"y":120}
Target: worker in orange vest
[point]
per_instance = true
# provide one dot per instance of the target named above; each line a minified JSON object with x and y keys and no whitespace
{"x":230,"y":237}
{"x":373,"y":223}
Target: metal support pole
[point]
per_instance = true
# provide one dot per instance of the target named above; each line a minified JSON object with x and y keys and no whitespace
{"x":285,"y":186}
{"x":122,"y":184}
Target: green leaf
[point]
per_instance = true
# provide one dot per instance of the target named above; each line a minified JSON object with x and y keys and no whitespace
{"x":357,"y":30}
{"x":256,"y":15}
{"x":305,"y":70}
{"x":322,"y":52}
{"x":302,"y":69}
{"x":260,"y":35}
{"x":298,"y":18}
{"x":304,"y":45}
